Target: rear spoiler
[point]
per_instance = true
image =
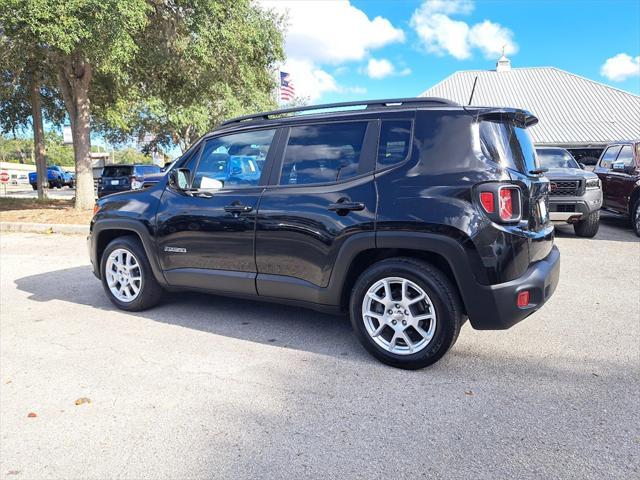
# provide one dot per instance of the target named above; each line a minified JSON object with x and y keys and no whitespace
{"x":521,"y":118}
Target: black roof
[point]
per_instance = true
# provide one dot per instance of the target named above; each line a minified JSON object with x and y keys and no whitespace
{"x":347,"y":107}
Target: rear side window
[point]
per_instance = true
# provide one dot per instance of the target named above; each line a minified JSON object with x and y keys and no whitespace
{"x":508,"y":145}
{"x":609,"y":156}
{"x":395,"y":141}
{"x":117,"y":171}
{"x":322,"y":153}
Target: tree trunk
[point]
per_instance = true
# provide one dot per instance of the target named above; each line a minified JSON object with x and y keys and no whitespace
{"x":74,"y":79}
{"x":38,"y":140}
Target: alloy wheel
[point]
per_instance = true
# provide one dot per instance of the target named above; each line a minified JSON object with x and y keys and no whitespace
{"x":123,"y":275}
{"x":399,"y":315}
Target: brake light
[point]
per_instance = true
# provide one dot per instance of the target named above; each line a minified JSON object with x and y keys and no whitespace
{"x":487,"y":201}
{"x":506,"y":203}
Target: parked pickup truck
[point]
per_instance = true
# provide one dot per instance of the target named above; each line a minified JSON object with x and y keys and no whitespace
{"x":57,"y":177}
{"x":575,"y":196}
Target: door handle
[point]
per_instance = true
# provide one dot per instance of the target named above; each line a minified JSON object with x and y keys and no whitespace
{"x":345,"y":205}
{"x":238,"y":208}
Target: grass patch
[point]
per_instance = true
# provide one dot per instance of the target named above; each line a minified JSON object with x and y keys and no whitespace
{"x":52,"y":211}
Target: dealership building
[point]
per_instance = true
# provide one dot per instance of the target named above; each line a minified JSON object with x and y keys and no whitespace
{"x":574,"y":112}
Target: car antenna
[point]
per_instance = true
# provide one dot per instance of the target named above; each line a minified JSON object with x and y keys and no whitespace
{"x":473,"y":90}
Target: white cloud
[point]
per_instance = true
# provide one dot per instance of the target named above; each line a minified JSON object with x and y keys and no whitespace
{"x":491,"y":38}
{"x":383,"y":68}
{"x":379,"y":68}
{"x":310,"y":80}
{"x":332,"y":32}
{"x":620,"y":67}
{"x":442,"y":35}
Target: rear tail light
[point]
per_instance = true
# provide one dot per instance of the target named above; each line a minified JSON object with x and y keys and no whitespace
{"x":506,"y":203}
{"x":488,"y":202}
{"x":502,"y":203}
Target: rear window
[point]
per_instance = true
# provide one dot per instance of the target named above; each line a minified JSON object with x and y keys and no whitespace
{"x":117,"y":171}
{"x":395,"y":140}
{"x":508,"y":145}
{"x":147,"y":169}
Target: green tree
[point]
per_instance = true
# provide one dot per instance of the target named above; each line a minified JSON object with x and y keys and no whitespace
{"x":85,"y":40}
{"x":26,"y":90}
{"x":199,"y":62}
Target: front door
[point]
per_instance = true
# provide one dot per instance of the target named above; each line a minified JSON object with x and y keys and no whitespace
{"x":206,"y":234}
{"x":622,"y":179}
{"x":603,"y":170}
{"x":322,"y":194}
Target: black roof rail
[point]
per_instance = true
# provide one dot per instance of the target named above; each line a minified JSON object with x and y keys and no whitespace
{"x":390,"y":102}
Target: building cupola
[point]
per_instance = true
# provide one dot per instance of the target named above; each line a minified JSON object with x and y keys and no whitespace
{"x":504,"y":64}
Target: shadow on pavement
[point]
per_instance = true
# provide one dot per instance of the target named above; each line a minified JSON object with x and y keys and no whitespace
{"x":256,"y":321}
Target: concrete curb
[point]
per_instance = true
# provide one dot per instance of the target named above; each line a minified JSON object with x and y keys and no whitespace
{"x":44,"y":228}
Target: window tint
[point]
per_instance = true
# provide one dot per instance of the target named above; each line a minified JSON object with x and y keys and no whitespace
{"x":508,"y":145}
{"x":609,"y":156}
{"x":117,"y":171}
{"x":322,"y":153}
{"x":233,"y":161}
{"x":625,"y":158}
{"x":395,"y":141}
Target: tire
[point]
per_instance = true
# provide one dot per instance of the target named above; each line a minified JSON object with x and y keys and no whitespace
{"x":635,"y":218}
{"x":441,"y":296}
{"x":149,"y":290}
{"x":35,"y":187}
{"x":589,"y":226}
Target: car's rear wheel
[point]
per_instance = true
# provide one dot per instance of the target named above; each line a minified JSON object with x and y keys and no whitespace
{"x":589,"y":226}
{"x":635,"y":218}
{"x":127,"y":277}
{"x":405,"y":312}
{"x":35,"y":187}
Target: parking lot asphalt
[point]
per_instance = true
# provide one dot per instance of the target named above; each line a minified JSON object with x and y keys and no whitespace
{"x":210,"y":387}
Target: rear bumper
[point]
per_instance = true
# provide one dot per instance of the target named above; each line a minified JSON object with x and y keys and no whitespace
{"x":494,"y":306}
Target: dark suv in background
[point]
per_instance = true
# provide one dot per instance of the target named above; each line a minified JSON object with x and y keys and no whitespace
{"x":619,"y":171}
{"x":412,"y":215}
{"x":120,"y":178}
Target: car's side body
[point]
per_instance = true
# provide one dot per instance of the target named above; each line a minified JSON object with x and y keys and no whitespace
{"x":619,"y":172}
{"x":306,"y":244}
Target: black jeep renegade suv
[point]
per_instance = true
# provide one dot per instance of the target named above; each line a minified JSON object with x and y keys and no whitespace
{"x":412,"y":215}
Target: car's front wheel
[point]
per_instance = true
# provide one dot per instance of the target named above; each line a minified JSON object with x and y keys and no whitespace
{"x":405,"y":312}
{"x":589,"y":226}
{"x":127,"y":277}
{"x":635,"y":218}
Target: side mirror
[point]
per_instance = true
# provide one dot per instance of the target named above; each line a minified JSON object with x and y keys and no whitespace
{"x":621,"y":167}
{"x":179,"y":178}
{"x":582,"y":166}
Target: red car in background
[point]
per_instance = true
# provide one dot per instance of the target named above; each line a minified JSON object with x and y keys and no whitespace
{"x":619,"y":172}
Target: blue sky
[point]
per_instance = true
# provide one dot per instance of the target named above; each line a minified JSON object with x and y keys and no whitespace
{"x":344,"y":50}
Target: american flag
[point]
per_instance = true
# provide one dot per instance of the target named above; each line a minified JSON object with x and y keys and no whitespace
{"x":287,"y":90}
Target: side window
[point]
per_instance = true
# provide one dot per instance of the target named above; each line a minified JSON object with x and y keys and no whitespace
{"x":395,"y":142}
{"x":625,"y":158}
{"x":233,"y":161}
{"x":322,"y":153}
{"x":609,"y":156}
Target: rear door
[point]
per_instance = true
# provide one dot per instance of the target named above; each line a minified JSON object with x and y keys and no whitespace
{"x":603,"y":170}
{"x":206,"y":235}
{"x":321,"y":193}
